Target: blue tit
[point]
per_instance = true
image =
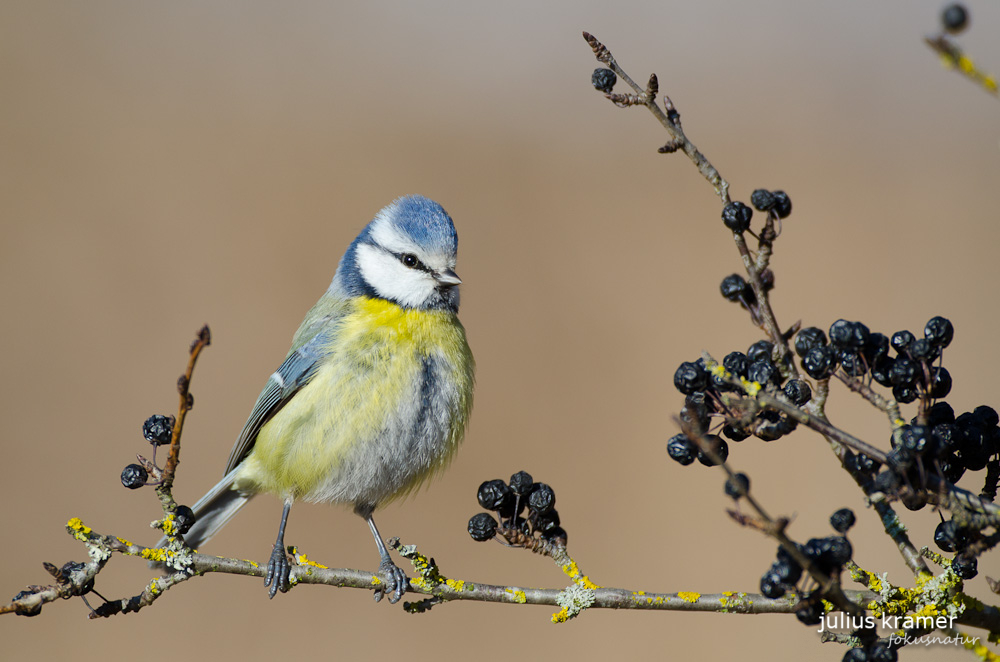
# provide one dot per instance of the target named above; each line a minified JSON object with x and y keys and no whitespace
{"x":374,"y":394}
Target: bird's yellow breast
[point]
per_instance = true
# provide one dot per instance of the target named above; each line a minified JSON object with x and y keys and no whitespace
{"x":387,"y":405}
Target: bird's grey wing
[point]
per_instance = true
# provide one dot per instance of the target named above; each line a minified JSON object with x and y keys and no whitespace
{"x":298,"y":368}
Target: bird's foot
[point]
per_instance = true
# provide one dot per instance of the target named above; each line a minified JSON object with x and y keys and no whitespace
{"x":394,"y":581}
{"x":278,"y":571}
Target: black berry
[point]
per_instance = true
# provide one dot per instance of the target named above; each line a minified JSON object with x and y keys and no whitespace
{"x":965,"y":566}
{"x":737,"y":485}
{"x":819,"y":362}
{"x":782,"y":204}
{"x":734,"y":287}
{"x":603,"y":80}
{"x":521,"y":483}
{"x":158,"y":429}
{"x":762,"y":199}
{"x":494,"y":495}
{"x":939,"y":332}
{"x":690,"y":377}
{"x":798,"y":392}
{"x":736,"y":216}
{"x":809,"y":338}
{"x":482,"y":527}
{"x":682,"y":450}
{"x":842,"y":520}
{"x":542,"y":498}
{"x":954,"y":18}
{"x":134,"y":476}
{"x":184,"y":518}
{"x":718,"y":446}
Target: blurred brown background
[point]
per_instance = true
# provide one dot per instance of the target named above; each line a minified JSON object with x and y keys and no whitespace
{"x":164,"y":165}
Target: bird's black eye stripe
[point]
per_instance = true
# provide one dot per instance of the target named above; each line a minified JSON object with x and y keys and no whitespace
{"x":412,"y":261}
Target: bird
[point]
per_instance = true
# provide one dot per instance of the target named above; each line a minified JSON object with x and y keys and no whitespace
{"x":373,"y":396}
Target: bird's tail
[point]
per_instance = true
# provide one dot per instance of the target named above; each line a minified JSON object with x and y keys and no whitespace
{"x":212,"y":512}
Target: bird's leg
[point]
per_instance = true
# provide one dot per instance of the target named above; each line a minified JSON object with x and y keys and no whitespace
{"x":278,"y":567}
{"x":394,"y":581}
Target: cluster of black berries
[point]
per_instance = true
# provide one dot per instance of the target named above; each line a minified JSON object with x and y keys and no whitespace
{"x":828,"y":555}
{"x":946,"y":446}
{"x":703,"y":401}
{"x":952,"y":536}
{"x":157,"y":430}
{"x":911,"y":373}
{"x":737,"y":216}
{"x":508,"y":500}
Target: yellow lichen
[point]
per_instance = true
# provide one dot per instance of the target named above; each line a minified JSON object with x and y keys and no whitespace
{"x":519,"y":596}
{"x":689,"y":596}
{"x":302,"y":559}
{"x":561,"y":616}
{"x":455,"y":584}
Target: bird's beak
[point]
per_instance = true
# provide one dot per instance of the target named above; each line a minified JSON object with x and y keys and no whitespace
{"x":448,"y":277}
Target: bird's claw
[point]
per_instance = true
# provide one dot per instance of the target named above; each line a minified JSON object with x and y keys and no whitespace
{"x":278,"y":571}
{"x":394,"y":581}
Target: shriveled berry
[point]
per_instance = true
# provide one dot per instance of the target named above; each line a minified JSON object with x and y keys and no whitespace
{"x":719,"y":448}
{"x":965,"y":566}
{"x":158,"y":429}
{"x":762,"y":371}
{"x":901,"y":340}
{"x":808,"y":338}
{"x":603,"y":80}
{"x":939,"y":331}
{"x":521,"y":483}
{"x":850,"y":335}
{"x":787,"y":570}
{"x":842,"y":520}
{"x":690,"y":377}
{"x":921,"y":350}
{"x":734,"y":287}
{"x":736,"y":216}
{"x":682,"y":450}
{"x":819,"y":362}
{"x":852,"y":362}
{"x":904,"y":372}
{"x":737,"y":485}
{"x":760,"y":350}
{"x":762,"y":199}
{"x":876,"y":348}
{"x":134,"y":476}
{"x":482,"y":527}
{"x":798,"y":392}
{"x":954,"y":18}
{"x":736,"y":363}
{"x":494,"y":494}
{"x":542,"y":499}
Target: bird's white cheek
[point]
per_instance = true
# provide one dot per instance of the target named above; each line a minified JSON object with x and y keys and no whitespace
{"x":391,"y":280}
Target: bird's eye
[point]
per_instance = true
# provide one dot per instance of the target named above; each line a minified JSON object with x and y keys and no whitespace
{"x":410,"y":260}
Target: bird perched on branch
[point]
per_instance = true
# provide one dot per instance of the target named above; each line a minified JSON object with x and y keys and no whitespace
{"x":374,"y":394}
